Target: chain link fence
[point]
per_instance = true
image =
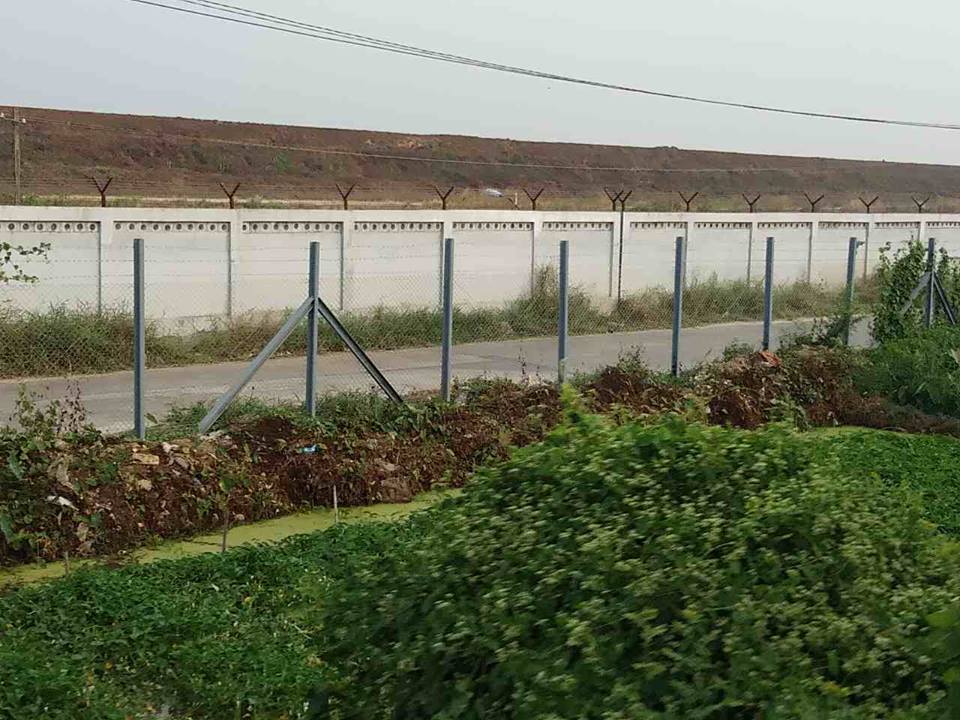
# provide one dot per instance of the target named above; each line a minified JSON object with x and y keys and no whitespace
{"x":217,"y":292}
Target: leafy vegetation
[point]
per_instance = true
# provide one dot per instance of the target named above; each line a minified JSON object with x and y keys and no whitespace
{"x":897,"y":274}
{"x":11,"y":257}
{"x":650,"y":570}
{"x":643,"y":564}
{"x":927,"y":465}
{"x":921,"y":369}
{"x":66,"y":490}
{"x":754,"y":570}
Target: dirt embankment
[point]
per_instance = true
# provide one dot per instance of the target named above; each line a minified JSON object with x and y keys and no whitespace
{"x":156,"y":160}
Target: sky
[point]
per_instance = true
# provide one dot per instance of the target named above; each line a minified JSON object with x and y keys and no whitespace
{"x":886,"y":59}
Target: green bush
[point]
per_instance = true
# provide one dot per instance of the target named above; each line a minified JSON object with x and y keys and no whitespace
{"x":921,"y":369}
{"x":669,"y":570}
{"x":897,"y":275}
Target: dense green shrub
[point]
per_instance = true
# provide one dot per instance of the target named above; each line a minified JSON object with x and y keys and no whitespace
{"x":670,"y":570}
{"x":920,"y":369}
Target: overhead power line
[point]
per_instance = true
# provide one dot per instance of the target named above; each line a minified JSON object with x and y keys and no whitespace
{"x":154,"y":134}
{"x":243,"y":16}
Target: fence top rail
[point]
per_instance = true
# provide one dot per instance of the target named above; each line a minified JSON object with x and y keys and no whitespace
{"x":22,"y":213}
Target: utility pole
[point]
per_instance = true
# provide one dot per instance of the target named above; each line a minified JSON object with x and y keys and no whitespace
{"x":17,"y":123}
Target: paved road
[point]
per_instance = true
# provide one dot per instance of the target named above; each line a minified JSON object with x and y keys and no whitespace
{"x":109,"y":400}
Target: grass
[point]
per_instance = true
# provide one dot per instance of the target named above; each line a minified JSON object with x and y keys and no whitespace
{"x":215,"y":636}
{"x":351,"y":412}
{"x":926,"y":464}
{"x":78,"y":341}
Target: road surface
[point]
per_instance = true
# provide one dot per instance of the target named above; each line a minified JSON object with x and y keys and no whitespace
{"x":108,"y":398}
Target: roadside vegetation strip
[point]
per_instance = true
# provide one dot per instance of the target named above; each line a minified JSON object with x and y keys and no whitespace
{"x":64,"y":340}
{"x":67,"y":491}
{"x":258,"y":533}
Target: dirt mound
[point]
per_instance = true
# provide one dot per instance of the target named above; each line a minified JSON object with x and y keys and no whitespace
{"x":157,"y":158}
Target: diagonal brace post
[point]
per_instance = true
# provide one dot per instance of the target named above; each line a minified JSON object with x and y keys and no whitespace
{"x":271,"y":347}
{"x":358,"y":352}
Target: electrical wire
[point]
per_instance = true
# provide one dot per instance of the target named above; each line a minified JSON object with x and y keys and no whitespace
{"x":162,"y":134}
{"x":242,"y":16}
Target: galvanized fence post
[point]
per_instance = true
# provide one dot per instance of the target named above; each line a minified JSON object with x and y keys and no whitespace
{"x":851,"y":274}
{"x":313,"y":292}
{"x":768,"y":295}
{"x":932,"y":269}
{"x":139,"y":340}
{"x":564,"y":310}
{"x":678,"y":275}
{"x":447,"y":338}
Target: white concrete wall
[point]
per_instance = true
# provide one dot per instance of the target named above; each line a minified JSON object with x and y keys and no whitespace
{"x":204,"y":265}
{"x":492,"y":261}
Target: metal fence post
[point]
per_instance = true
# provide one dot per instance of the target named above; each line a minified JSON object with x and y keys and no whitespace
{"x":447,"y":339}
{"x":931,"y":268}
{"x":313,"y":292}
{"x":620,"y":259}
{"x":139,"y":340}
{"x":851,"y":274}
{"x":678,"y":273}
{"x":768,"y":295}
{"x":564,"y":310}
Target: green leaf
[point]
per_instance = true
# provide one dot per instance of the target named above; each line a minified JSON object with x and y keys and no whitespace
{"x":15,"y":467}
{"x":6,"y":527}
{"x":943,"y":619}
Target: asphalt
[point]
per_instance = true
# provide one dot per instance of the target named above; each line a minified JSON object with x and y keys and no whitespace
{"x":108,"y":398}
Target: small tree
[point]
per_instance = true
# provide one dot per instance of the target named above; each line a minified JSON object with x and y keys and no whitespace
{"x":897,"y":275}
